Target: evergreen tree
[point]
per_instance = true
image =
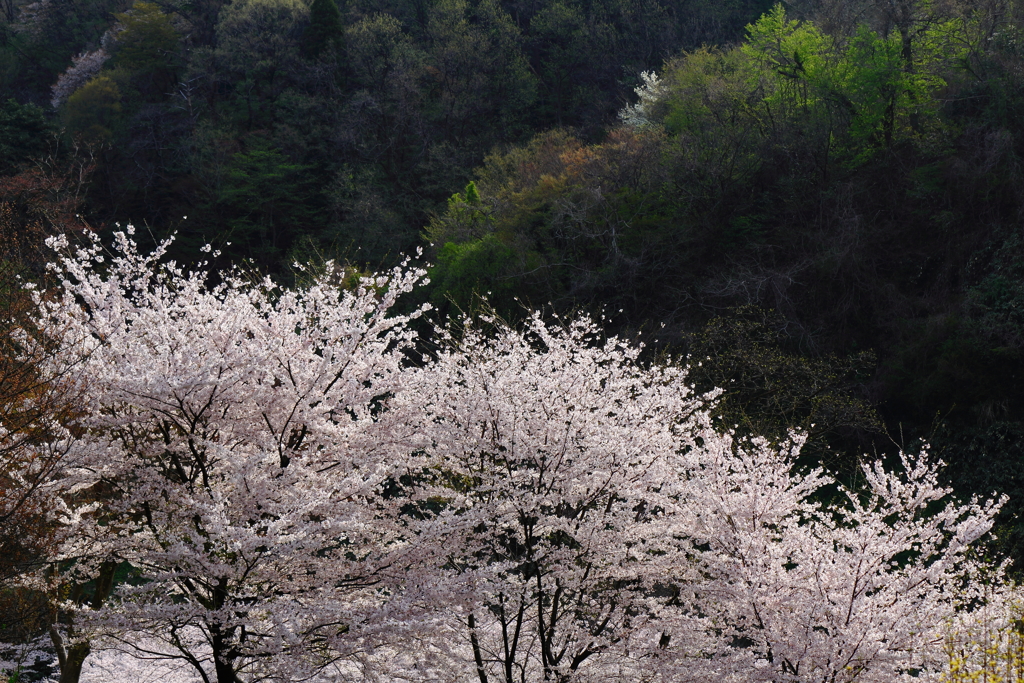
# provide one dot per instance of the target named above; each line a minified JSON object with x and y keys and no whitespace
{"x":325,"y":27}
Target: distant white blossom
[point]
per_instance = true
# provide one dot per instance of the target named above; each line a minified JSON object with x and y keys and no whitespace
{"x":638,"y":115}
{"x":32,"y":16}
{"x":84,"y":67}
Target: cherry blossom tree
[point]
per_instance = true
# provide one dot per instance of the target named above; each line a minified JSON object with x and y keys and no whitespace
{"x":295,"y":498}
{"x":242,"y":437}
{"x":554,"y":447}
{"x":36,"y":405}
{"x":84,"y":67}
{"x":860,"y":589}
{"x":607,"y":531}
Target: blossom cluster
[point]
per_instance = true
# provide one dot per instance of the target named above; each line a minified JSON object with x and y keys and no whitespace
{"x":299,"y":485}
{"x":82,"y":69}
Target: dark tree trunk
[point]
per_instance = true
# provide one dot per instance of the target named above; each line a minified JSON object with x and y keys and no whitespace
{"x":71,"y":667}
{"x":72,"y":659}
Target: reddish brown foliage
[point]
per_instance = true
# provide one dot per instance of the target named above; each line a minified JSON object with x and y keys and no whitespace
{"x":44,"y":199}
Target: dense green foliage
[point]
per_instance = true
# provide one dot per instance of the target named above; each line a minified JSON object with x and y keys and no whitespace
{"x":23,"y":135}
{"x":374,"y":111}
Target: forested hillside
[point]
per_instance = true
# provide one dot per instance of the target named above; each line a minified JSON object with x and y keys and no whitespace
{"x":814,"y":206}
{"x":287,"y":126}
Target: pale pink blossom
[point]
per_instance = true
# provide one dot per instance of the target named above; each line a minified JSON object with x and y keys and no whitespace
{"x":83,"y":67}
{"x":306,"y":490}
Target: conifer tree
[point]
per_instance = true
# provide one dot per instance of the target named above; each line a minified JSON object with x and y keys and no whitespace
{"x":325,"y":27}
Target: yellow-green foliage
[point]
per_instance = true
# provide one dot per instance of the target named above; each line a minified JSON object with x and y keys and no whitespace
{"x":851,"y":94}
{"x":987,"y":645}
{"x":796,"y":63}
{"x":92,"y":110}
{"x":148,"y":40}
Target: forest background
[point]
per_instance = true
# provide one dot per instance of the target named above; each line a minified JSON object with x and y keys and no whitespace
{"x":820,"y":202}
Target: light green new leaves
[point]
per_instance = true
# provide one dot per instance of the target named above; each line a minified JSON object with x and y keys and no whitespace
{"x":855,"y":94}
